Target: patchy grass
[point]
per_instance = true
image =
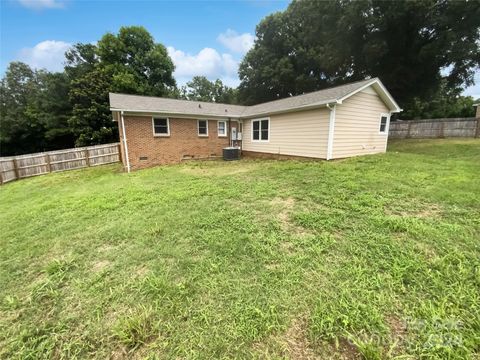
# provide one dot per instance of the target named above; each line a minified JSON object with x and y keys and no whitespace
{"x":375,"y":257}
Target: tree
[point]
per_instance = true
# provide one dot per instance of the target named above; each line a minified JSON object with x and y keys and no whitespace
{"x":446,"y":103}
{"x":51,"y":108}
{"x":91,"y":119}
{"x":90,"y":83}
{"x":19,"y":133}
{"x":34,"y":111}
{"x":130,"y":62}
{"x":137,"y":63}
{"x":316,"y":44}
{"x":202,"y":89}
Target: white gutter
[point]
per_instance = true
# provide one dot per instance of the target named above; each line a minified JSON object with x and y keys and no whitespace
{"x":125,"y":146}
{"x":331,"y":130}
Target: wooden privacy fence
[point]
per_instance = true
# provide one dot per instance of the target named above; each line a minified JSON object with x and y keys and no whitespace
{"x":435,"y":128}
{"x":22,"y":166}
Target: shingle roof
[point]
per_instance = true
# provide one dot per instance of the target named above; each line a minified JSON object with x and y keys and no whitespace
{"x":172,"y":106}
{"x":199,"y":108}
{"x":320,"y":97}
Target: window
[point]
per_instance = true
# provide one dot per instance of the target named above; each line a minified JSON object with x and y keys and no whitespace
{"x":383,"y":123}
{"x":161,"y":127}
{"x":260,"y":130}
{"x":202,"y":127}
{"x":222,"y":128}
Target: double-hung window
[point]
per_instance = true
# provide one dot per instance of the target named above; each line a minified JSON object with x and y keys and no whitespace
{"x":161,"y":127}
{"x":260,"y":130}
{"x":222,"y":128}
{"x":383,"y":123}
{"x":202,"y":127}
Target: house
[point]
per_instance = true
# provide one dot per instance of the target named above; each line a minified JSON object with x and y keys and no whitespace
{"x":334,"y":123}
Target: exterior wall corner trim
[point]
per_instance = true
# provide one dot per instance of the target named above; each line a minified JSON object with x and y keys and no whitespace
{"x":331,"y":130}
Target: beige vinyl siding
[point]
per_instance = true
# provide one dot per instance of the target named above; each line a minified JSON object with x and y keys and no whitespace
{"x":300,"y":133}
{"x":357,"y":125}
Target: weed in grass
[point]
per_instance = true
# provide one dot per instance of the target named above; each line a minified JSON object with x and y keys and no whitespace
{"x":136,"y":328}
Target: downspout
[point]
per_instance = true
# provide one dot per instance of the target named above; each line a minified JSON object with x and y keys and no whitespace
{"x":230,"y":142}
{"x":331,"y":130}
{"x":125,"y":146}
{"x":387,"y":130}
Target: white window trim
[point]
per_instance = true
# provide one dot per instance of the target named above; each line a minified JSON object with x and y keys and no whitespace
{"x":153,"y":126}
{"x":387,"y":124}
{"x":198,"y":128}
{"x":218,"y":128}
{"x":260,"y":128}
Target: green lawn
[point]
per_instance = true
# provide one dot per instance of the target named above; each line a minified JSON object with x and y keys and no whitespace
{"x":376,"y":256}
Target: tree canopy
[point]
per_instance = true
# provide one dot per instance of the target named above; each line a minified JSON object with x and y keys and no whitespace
{"x":408,"y":44}
{"x":202,"y":89}
{"x":34,"y":110}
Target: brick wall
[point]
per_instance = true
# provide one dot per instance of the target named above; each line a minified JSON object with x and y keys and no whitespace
{"x":182,"y":143}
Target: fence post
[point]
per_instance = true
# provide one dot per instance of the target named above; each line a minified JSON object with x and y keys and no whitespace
{"x":477,"y":132}
{"x":1,"y":175}
{"x":442,"y":129}
{"x":15,"y":169}
{"x":408,"y":129}
{"x":87,"y":157}
{"x":47,"y":160}
{"x":120,"y":153}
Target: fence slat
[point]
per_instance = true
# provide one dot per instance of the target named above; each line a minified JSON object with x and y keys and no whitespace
{"x":15,"y":168}
{"x":22,"y":166}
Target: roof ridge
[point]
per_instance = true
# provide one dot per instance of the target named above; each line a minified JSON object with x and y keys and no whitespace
{"x":168,"y":98}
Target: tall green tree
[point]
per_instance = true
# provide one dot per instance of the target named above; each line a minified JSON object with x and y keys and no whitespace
{"x":129,"y":62}
{"x":52,"y":109}
{"x":34,"y":111}
{"x":91,"y":119}
{"x":137,"y":63}
{"x":202,"y":89}
{"x":316,"y":44}
{"x":18,"y":133}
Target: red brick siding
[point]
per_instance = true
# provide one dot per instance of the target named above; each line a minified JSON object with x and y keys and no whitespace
{"x":182,"y":142}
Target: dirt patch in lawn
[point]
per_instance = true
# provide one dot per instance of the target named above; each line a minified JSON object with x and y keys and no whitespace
{"x":398,"y":332}
{"x":100,"y":265}
{"x":298,"y":345}
{"x":141,"y":271}
{"x":283,"y":207}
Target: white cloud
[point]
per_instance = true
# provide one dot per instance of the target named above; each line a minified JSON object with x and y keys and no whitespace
{"x":49,"y":54}
{"x":208,"y":62}
{"x":239,"y":43}
{"x":42,"y":4}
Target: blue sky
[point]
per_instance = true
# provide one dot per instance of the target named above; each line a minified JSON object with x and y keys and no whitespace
{"x":203,"y":37}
